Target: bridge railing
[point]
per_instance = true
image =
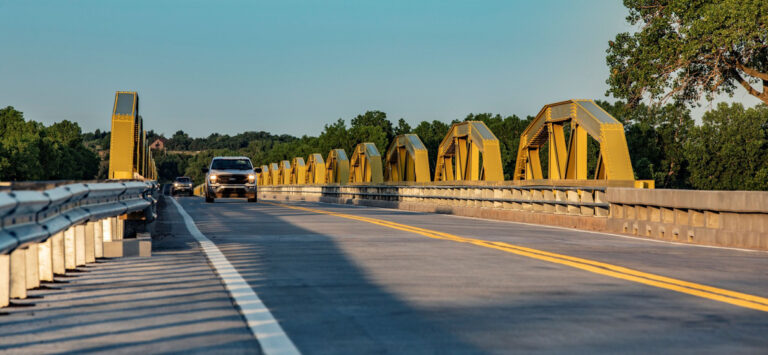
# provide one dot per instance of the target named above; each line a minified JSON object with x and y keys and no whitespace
{"x":49,"y":228}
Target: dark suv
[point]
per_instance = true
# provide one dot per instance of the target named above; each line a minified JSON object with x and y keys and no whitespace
{"x":230,"y":177}
{"x":182,"y":184}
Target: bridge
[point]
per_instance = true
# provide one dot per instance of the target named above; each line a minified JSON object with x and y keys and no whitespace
{"x":374,"y":253}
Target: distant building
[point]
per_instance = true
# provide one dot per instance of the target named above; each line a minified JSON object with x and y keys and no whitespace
{"x":158,"y":144}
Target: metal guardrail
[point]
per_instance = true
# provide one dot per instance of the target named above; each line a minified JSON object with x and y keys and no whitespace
{"x":28,"y":216}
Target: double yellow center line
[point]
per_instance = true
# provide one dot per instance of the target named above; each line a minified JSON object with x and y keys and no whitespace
{"x":619,"y":272}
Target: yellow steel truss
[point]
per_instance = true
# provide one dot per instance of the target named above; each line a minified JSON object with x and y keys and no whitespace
{"x":263,"y":176}
{"x":365,"y":164}
{"x":284,"y":173}
{"x":407,"y":160}
{"x":129,"y":154}
{"x":315,"y":169}
{"x":337,"y":167}
{"x":459,"y":154}
{"x":569,"y":160}
{"x":298,"y":171}
{"x":274,"y":174}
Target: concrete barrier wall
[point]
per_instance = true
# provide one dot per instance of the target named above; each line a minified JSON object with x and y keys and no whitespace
{"x":733,"y":219}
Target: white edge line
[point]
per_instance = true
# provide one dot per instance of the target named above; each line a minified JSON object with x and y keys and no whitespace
{"x":641,"y":239}
{"x":262,"y":324}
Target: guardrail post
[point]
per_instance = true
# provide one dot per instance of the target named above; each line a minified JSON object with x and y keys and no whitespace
{"x":90,"y":240}
{"x":98,"y":239}
{"x":108,"y":228}
{"x":69,"y":249}
{"x":5,"y":280}
{"x":32,"y":269}
{"x":45,"y":260}
{"x":18,"y":279}
{"x":80,"y":245}
{"x":57,"y":254}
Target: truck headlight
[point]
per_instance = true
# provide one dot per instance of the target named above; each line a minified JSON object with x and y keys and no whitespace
{"x":251,"y":178}
{"x":213,"y":179}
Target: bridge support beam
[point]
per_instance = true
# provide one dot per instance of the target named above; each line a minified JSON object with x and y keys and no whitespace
{"x":90,"y":240}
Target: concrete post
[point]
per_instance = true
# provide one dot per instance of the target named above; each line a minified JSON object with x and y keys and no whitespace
{"x":98,"y":239}
{"x":119,"y":229}
{"x":69,"y":249}
{"x":33,"y":276}
{"x":57,"y":254}
{"x":90,"y":240}
{"x":18,"y":280}
{"x":107,"y":228}
{"x":45,"y":260}
{"x":5,"y":280}
{"x":80,"y":245}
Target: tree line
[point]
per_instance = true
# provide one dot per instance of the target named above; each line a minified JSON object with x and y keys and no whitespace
{"x":31,"y":151}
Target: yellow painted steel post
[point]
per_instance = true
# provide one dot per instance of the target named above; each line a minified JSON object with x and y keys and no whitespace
{"x":557,"y":152}
{"x":577,"y":154}
{"x":365,"y":164}
{"x":122,"y":148}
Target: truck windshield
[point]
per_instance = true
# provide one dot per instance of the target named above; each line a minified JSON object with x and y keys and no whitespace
{"x":183,"y":179}
{"x":231,"y":164}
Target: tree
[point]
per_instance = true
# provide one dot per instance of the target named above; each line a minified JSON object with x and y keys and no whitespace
{"x":729,"y":151}
{"x":402,"y":127}
{"x":375,"y":119}
{"x":687,"y":50}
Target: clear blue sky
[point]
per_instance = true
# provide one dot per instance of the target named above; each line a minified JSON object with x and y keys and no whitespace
{"x":293,"y":66}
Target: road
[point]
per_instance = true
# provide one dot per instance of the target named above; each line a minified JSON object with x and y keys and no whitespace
{"x":343,"y":279}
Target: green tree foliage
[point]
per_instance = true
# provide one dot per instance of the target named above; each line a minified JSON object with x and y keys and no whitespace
{"x":688,"y":49}
{"x":729,"y":151}
{"x":431,"y":134}
{"x":31,"y":151}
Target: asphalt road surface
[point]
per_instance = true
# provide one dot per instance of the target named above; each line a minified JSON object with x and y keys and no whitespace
{"x":337,"y":284}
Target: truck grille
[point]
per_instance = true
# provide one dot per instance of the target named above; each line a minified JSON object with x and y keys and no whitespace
{"x":233,"y":179}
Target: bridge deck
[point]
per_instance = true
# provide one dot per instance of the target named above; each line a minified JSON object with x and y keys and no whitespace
{"x":353,"y":282}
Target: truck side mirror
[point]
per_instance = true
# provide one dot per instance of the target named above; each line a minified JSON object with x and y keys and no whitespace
{"x":205,"y":170}
{"x":257,"y":170}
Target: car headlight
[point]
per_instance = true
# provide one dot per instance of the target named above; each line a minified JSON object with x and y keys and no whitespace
{"x":213,"y":178}
{"x":251,"y":178}
{"x":175,"y":184}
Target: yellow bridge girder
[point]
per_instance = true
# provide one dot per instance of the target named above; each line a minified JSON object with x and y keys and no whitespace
{"x":274,"y":174}
{"x":407,"y":160}
{"x":263,"y":176}
{"x":284,"y":173}
{"x":315,"y":169}
{"x":365,"y":164}
{"x":129,"y":154}
{"x":337,"y":167}
{"x":568,"y":160}
{"x":459,"y":154}
{"x":298,"y":171}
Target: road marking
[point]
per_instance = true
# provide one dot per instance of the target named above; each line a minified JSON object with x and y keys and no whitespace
{"x":619,"y":272}
{"x":260,"y":321}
